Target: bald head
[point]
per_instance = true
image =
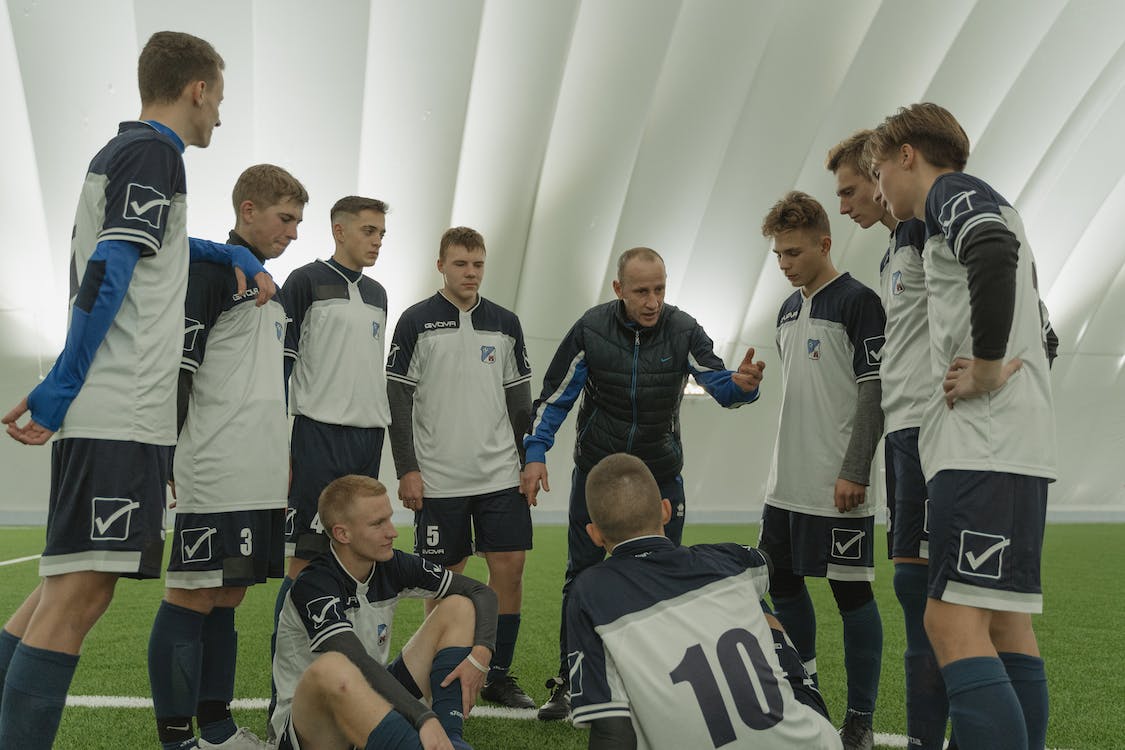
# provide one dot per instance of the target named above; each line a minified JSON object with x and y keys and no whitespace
{"x":623,"y":499}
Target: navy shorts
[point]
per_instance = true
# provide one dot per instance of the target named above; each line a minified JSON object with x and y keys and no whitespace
{"x":839,"y":548}
{"x":908,"y":504}
{"x":320,"y":453}
{"x":106,"y":510}
{"x":449,"y":529}
{"x":986,"y":539}
{"x":236,"y":548}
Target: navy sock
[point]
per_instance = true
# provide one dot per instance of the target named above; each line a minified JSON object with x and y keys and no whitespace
{"x":286,"y":584}
{"x":983,"y":706}
{"x":927,"y":707}
{"x":863,"y":656}
{"x":175,"y":653}
{"x":507,"y":630}
{"x":1029,"y":680}
{"x":34,"y":695}
{"x":447,"y":700}
{"x":798,"y":617}
{"x":216,"y":677}
{"x":8,"y":643}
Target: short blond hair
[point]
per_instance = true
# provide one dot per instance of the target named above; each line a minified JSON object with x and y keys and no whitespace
{"x":849,"y":153}
{"x":335,"y":503}
{"x":623,"y":498}
{"x":266,"y":185}
{"x":796,"y":211}
{"x":928,"y":128}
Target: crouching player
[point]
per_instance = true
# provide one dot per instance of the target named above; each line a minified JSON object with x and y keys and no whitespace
{"x":335,"y":688}
{"x":657,"y":628}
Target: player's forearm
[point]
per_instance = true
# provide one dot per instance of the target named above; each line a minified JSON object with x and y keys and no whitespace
{"x":721,"y":387}
{"x":867,"y":428}
{"x":225,"y":255}
{"x":518,"y":401}
{"x":401,"y":429}
{"x":991,"y":257}
{"x":486,"y":606}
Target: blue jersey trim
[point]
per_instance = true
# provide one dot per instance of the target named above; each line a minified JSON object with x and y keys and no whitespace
{"x":225,"y":255}
{"x":172,"y":135}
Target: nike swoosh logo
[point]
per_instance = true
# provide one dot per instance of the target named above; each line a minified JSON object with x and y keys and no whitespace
{"x":975,"y":561}
{"x":191,"y":549}
{"x":842,"y":548}
{"x":319,"y":619}
{"x":102,"y":524}
{"x":139,"y":209}
{"x":665,"y":359}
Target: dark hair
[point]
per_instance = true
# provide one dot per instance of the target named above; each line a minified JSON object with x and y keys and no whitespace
{"x":170,"y":61}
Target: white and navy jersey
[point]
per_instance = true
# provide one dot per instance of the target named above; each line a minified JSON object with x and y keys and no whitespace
{"x":828,"y":343}
{"x":233,"y":453}
{"x":1012,"y":429}
{"x":460,"y":363}
{"x":135,"y":191}
{"x":325,"y":600}
{"x":905,"y":374}
{"x":674,"y":639}
{"x":339,"y":317}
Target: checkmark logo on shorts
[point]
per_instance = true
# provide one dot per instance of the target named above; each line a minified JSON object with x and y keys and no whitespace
{"x":847,"y":543}
{"x":111,"y":517}
{"x":982,"y":555}
{"x":321,"y":610}
{"x":192,"y":543}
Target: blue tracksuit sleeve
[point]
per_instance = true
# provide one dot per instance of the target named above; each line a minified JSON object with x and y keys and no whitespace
{"x":712,"y":374}
{"x":225,"y":255}
{"x":562,"y":383}
{"x":99,"y":297}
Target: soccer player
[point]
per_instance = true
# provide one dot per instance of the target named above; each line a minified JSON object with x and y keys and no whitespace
{"x":630,"y":358}
{"x":906,"y":386}
{"x":335,"y":689}
{"x":459,"y":385}
{"x":655,"y":627}
{"x":987,"y":437}
{"x":231,"y":474}
{"x":816,"y":520}
{"x":111,"y":395}
{"x":335,"y":359}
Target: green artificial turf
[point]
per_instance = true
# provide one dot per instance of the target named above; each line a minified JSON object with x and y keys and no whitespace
{"x":1080,"y":635}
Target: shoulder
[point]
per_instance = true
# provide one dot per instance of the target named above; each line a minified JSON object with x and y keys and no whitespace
{"x":955,"y":197}
{"x":679,"y":321}
{"x":910,"y":233}
{"x":790,"y":308}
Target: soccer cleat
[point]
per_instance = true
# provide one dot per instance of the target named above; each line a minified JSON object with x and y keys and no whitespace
{"x":856,"y":734}
{"x":243,"y":739}
{"x":506,"y":691}
{"x":557,"y":706}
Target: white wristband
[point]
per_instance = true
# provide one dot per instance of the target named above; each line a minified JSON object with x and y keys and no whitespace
{"x":476,"y":664}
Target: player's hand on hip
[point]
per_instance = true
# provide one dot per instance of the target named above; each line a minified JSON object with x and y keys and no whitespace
{"x":534,"y":476}
{"x":410,"y":490}
{"x":31,"y":433}
{"x":849,"y":495}
{"x":749,"y":373}
{"x":433,"y":736}
{"x":970,"y":378}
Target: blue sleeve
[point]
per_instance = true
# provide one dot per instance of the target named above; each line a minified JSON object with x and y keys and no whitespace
{"x":99,"y":297}
{"x":712,"y":374}
{"x":225,"y":255}
{"x":562,"y":383}
{"x":866,"y":323}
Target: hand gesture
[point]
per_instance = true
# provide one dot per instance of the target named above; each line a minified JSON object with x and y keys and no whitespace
{"x":749,"y":373}
{"x":31,"y":433}
{"x":266,"y":288}
{"x":472,"y":679}
{"x":971,"y":378}
{"x":534,"y":476}
{"x":410,"y":490}
{"x":848,"y":495}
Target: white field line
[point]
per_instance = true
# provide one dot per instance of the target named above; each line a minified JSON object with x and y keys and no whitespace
{"x":486,"y":712}
{"x":19,"y":560}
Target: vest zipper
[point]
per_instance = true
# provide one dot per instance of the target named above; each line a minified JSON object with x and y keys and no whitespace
{"x":633,"y":391}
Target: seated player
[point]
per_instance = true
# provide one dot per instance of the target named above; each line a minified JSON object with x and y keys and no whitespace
{"x":655,"y":627}
{"x":334,"y":686}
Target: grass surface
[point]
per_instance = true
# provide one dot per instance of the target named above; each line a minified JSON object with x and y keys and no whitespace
{"x":1080,"y":635}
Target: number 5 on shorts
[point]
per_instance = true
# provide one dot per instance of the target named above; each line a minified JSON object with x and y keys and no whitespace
{"x":432,"y":536}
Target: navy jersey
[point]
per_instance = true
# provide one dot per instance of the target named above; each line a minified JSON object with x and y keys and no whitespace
{"x":325,"y":600}
{"x":135,"y":191}
{"x":907,"y":381}
{"x":674,"y":639}
{"x":460,"y":363}
{"x":1011,"y":429}
{"x":828,"y":343}
{"x":233,"y":453}
{"x":339,"y":317}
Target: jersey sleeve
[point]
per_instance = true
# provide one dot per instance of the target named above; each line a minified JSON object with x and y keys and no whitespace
{"x":142,"y":180}
{"x":319,"y":604}
{"x":562,"y":384}
{"x":401,"y":353}
{"x":420,"y":578}
{"x":517,"y":367}
{"x":958,"y":204}
{"x":592,"y":697}
{"x":866,"y":323}
{"x":297,"y":296}
{"x":202,"y":306}
{"x":712,"y":374}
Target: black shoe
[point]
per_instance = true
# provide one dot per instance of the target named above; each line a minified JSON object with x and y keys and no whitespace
{"x":557,"y":706}
{"x":856,"y":734}
{"x":506,"y":691}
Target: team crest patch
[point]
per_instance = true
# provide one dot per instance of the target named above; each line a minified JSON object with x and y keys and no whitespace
{"x":374,"y":329}
{"x":873,"y":348}
{"x":814,"y":348}
{"x":280,"y":329}
{"x":488,"y":354}
{"x":111,"y":517}
{"x":982,"y":555}
{"x":575,"y":659}
{"x":897,"y":287}
{"x":847,"y":544}
{"x":145,"y":204}
{"x":323,"y":610}
{"x":290,"y":521}
{"x":382,"y":632}
{"x":195,"y":544}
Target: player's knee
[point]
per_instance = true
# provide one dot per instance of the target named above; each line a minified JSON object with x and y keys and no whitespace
{"x":786,"y":584}
{"x":851,"y":595}
{"x":455,"y":609}
{"x":506,"y":568}
{"x":331,"y":675}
